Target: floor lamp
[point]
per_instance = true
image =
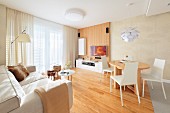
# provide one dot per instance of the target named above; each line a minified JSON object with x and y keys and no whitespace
{"x":22,"y":38}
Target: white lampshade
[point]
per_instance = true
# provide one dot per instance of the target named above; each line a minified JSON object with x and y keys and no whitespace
{"x":24,"y":38}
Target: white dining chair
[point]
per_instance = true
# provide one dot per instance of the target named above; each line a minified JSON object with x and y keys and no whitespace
{"x":156,"y":75}
{"x":129,"y":77}
{"x":105,"y":67}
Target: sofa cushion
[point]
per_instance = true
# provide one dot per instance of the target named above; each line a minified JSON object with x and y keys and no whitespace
{"x":31,"y":86}
{"x":10,"y":91}
{"x":24,"y":69}
{"x":33,"y":76}
{"x":18,"y":73}
{"x":17,"y":87}
{"x":31,"y":104}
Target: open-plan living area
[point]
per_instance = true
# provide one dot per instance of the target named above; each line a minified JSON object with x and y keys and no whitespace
{"x":84,"y":56}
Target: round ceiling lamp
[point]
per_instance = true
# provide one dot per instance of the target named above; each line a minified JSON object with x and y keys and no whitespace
{"x":74,"y":14}
{"x":130,"y":34}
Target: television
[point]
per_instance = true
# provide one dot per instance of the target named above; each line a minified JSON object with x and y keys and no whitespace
{"x":98,"y":50}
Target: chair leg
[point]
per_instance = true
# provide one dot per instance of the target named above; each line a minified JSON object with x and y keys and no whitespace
{"x":111,"y":84}
{"x":163,"y":90}
{"x":137,"y":90}
{"x":121,"y":98}
{"x":151,"y":85}
{"x":143,"y":91}
{"x":103,"y":72}
{"x":100,"y":77}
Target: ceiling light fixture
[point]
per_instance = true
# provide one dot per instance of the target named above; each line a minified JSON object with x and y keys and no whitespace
{"x":74,"y":14}
{"x":130,"y":34}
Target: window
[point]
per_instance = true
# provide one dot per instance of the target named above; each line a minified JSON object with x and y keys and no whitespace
{"x":48,"y":45}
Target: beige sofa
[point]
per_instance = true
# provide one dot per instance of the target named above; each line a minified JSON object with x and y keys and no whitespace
{"x":20,"y":97}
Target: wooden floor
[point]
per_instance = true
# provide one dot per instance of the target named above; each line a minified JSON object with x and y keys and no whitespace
{"x":92,"y":96}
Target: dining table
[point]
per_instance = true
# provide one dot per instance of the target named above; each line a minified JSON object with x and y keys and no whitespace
{"x":119,"y":65}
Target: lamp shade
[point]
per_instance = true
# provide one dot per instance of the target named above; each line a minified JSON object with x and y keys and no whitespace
{"x":23,"y":38}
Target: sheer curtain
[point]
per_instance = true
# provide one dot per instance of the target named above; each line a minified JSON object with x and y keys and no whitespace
{"x":16,"y":23}
{"x":54,"y":44}
{"x":48,"y":44}
{"x":70,"y":44}
{"x":51,"y":43}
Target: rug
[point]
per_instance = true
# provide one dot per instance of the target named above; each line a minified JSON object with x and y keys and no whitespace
{"x":159,"y":103}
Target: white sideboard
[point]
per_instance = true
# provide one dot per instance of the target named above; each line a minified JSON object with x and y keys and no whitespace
{"x":89,"y":65}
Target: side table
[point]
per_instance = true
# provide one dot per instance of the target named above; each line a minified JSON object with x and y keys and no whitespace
{"x":66,"y":73}
{"x":51,"y":74}
{"x":54,"y":73}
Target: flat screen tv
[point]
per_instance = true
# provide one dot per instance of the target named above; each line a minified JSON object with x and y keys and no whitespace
{"x":98,"y":50}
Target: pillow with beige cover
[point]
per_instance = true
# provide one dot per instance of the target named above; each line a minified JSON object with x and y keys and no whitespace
{"x":18,"y":73}
{"x":24,"y":69}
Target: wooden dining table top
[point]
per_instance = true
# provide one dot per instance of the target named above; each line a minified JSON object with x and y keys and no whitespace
{"x":120,"y":65}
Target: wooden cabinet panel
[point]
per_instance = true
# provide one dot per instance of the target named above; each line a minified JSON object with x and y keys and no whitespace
{"x":96,"y":36}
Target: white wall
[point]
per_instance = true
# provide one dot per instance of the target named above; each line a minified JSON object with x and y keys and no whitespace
{"x":2,"y":35}
{"x":153,"y":42}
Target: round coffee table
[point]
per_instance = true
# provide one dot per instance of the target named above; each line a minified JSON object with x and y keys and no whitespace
{"x":66,"y":73}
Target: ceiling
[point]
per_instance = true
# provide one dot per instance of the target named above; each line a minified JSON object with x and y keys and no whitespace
{"x":158,"y":7}
{"x":97,"y":11}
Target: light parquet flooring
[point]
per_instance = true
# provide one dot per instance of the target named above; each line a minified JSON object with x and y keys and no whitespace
{"x":90,"y":95}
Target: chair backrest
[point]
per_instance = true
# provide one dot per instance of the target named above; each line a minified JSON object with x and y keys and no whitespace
{"x":130,"y":73}
{"x":104,"y":62}
{"x":158,"y":68}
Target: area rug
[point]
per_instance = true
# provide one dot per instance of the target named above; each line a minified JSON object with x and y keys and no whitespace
{"x":159,"y":103}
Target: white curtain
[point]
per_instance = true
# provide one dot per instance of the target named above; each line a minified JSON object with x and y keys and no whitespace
{"x":48,"y":44}
{"x":54,"y":44}
{"x":70,"y":45}
{"x":16,"y":23}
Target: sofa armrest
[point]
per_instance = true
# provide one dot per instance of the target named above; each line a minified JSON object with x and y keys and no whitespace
{"x":31,"y":68}
{"x":57,"y":96}
{"x":31,"y":103}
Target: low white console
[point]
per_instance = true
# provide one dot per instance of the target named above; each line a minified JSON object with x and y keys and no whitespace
{"x":89,"y":65}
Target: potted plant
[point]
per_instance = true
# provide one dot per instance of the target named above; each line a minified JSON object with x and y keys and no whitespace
{"x":68,"y":65}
